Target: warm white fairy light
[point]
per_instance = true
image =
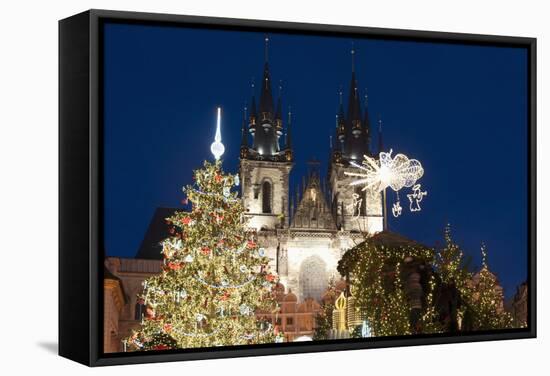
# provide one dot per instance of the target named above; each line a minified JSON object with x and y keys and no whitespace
{"x":217,"y":147}
{"x":396,"y":172}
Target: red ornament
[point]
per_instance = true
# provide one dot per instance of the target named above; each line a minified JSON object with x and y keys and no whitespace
{"x":251,"y":244}
{"x":225,"y":296}
{"x":186,"y":220}
{"x":174,"y":265}
{"x":205,"y":251}
{"x":218,"y":178}
{"x":270,"y":277}
{"x":167,"y":328}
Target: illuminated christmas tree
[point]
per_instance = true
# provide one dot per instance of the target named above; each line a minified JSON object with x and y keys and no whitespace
{"x":487,"y":299}
{"x":383,"y":275}
{"x":215,"y":279}
{"x":456,"y":282}
{"x":324,"y":317}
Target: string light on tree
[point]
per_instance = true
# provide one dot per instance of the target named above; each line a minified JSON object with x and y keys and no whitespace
{"x":215,"y":279}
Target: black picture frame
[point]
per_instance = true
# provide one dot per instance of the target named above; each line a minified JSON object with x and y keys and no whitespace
{"x":80,"y":179}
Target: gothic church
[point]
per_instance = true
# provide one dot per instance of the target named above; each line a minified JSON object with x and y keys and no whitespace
{"x":306,"y":235}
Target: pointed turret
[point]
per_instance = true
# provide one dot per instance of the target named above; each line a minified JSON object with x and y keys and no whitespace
{"x":380,"y":140}
{"x":253,"y":113}
{"x":244,"y":138}
{"x":366,"y":125}
{"x":278,"y":113}
{"x":266,"y":122}
{"x":266,"y":98}
{"x":288,"y":141}
{"x":341,"y":118}
{"x":353,"y":128}
{"x":354,"y":107}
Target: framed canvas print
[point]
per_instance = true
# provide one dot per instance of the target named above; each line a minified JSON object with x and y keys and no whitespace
{"x":240,"y":187}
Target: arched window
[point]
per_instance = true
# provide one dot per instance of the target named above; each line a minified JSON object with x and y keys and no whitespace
{"x":313,"y":278}
{"x":266,"y":197}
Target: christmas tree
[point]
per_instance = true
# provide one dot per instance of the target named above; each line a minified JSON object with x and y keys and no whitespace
{"x":215,"y":281}
{"x":451,"y":267}
{"x":324,"y":317}
{"x":456,"y":284}
{"x":487,"y":300}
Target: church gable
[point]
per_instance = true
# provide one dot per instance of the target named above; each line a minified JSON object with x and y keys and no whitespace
{"x":313,"y":211}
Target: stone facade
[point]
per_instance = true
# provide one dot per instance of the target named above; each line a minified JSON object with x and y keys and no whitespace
{"x":520,"y":306}
{"x":306,"y":245}
{"x":362,"y":213}
{"x":264,"y":188}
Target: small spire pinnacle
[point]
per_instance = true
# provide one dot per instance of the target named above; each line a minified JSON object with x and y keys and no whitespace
{"x":288,"y":142}
{"x":352,"y":57}
{"x":266,"y":57}
{"x":244,"y":139}
{"x":289,"y":115}
{"x":340,"y":95}
{"x":380,"y":140}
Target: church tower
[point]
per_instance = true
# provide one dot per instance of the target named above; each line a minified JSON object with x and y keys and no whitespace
{"x":353,"y":209}
{"x":265,"y":165}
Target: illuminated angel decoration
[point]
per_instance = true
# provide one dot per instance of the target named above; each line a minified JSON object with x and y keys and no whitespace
{"x":396,"y":172}
{"x":416,"y":197}
{"x":355,"y":206}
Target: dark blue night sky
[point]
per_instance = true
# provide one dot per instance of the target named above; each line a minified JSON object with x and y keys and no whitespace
{"x":461,"y":110}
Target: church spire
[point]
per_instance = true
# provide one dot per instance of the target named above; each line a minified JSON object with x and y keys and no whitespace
{"x":278,"y":114}
{"x":341,"y":118}
{"x":253,"y":114}
{"x":266,"y":121}
{"x":266,"y":98}
{"x":354,"y":105}
{"x":380,"y":140}
{"x":244,"y":138}
{"x":352,"y":57}
{"x":366,"y":124}
{"x":288,"y":142}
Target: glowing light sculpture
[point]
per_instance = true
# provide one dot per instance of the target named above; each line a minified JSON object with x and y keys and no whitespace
{"x":390,"y":172}
{"x":217,"y":147}
{"x":396,"y":172}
